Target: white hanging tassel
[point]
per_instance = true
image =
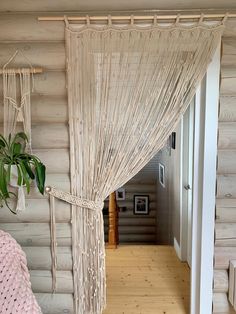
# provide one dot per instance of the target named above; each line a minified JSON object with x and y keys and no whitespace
{"x":20,"y":206}
{"x":20,"y":117}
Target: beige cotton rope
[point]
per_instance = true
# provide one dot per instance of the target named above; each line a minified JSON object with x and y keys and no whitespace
{"x":71,"y":199}
{"x":15,"y":112}
{"x":128,"y":86}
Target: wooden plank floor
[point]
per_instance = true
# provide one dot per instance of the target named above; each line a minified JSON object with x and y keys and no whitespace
{"x":146,"y":280}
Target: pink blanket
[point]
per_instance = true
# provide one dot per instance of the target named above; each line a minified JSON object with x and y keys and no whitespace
{"x":16,"y":295}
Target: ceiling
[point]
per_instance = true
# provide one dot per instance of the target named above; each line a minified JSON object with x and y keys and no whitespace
{"x":113,"y":5}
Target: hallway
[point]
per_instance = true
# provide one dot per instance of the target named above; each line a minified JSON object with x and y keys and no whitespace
{"x":146,"y":280}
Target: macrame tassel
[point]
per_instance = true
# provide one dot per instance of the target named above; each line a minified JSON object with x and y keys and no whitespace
{"x":20,"y":206}
{"x":20,"y":117}
{"x":53,"y":239}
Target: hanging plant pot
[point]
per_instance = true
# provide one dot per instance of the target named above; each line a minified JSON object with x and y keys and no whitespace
{"x":14,"y":176}
{"x":18,"y":169}
{"x":20,"y":205}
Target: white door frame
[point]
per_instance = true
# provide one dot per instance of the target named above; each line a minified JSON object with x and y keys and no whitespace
{"x":205,"y":131}
{"x":204,"y":189}
{"x":186,"y":183}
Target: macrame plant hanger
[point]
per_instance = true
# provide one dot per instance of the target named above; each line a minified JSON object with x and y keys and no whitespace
{"x":15,"y":111}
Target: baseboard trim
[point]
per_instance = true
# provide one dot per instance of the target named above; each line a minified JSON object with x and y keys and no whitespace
{"x":177,"y":248}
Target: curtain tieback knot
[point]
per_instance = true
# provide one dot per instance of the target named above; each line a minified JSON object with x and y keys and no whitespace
{"x":75,"y":200}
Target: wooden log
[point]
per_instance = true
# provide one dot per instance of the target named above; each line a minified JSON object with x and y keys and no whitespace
{"x":225,"y":230}
{"x":226,"y":210}
{"x":139,"y":188}
{"x":136,"y":229}
{"x":60,"y":181}
{"x":46,"y":109}
{"x":129,"y":197}
{"x":130,"y":214}
{"x":49,"y":109}
{"x":228,"y":60}
{"x":55,"y":160}
{"x":228,"y":74}
{"x":221,"y":281}
{"x":134,"y":221}
{"x":38,"y":234}
{"x":137,"y":238}
{"x":55,"y":303}
{"x":222,"y":257}
{"x":228,"y":82}
{"x":221,"y":304}
{"x":47,"y":83}
{"x":39,"y":258}
{"x":227,"y":135}
{"x":25,"y":27}
{"x":230,"y":29}
{"x":49,"y":56}
{"x":228,"y":46}
{"x":37,"y":210}
{"x":226,"y":162}
{"x":41,"y":281}
{"x":225,"y":234}
{"x":226,"y":186}
{"x":227,"y":110}
{"x":72,"y":5}
{"x":50,"y":136}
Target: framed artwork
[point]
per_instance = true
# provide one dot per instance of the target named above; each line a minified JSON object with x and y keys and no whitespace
{"x":141,"y":204}
{"x":120,"y":194}
{"x":162,"y":175}
{"x":173,"y":140}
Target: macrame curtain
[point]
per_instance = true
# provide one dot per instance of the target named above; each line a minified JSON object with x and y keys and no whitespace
{"x":127,"y":88}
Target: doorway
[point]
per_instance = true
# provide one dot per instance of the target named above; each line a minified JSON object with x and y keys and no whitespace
{"x":192,"y":198}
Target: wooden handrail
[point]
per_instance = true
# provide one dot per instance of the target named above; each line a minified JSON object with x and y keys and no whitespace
{"x":113,"y":235}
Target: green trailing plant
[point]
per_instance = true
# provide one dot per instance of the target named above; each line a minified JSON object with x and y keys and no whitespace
{"x":29,"y":167}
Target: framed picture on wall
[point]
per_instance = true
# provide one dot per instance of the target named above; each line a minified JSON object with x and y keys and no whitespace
{"x":173,"y":140}
{"x":141,"y":204}
{"x":162,"y":175}
{"x":120,"y":194}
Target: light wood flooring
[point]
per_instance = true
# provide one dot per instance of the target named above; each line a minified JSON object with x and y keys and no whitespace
{"x":146,"y":280}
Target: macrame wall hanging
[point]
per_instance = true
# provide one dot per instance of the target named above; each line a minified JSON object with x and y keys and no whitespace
{"x":17,"y":86}
{"x":127,"y":89}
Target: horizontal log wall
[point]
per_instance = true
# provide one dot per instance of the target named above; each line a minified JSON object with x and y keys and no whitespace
{"x":43,"y":44}
{"x":225,"y":235}
{"x":136,"y":228}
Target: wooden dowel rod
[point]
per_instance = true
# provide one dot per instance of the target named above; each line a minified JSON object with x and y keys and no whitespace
{"x":19,"y":70}
{"x":135,"y":17}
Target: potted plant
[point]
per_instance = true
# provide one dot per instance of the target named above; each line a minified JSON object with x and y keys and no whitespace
{"x":18,"y":168}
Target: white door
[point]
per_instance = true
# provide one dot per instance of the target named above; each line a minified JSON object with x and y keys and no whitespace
{"x":186,"y":183}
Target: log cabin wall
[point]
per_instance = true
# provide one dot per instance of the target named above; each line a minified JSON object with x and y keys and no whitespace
{"x":43,"y":44}
{"x":225,"y":228}
{"x":138,"y":228}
